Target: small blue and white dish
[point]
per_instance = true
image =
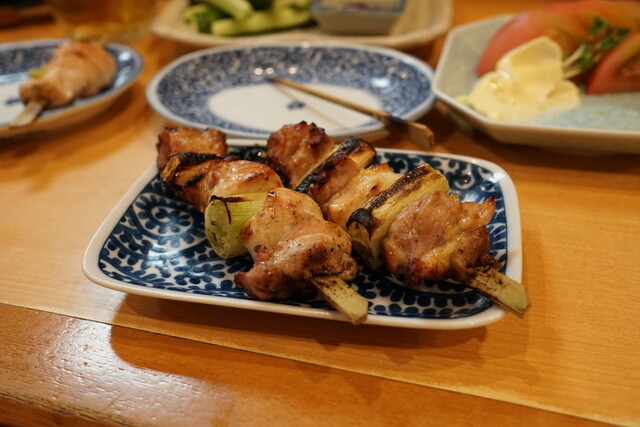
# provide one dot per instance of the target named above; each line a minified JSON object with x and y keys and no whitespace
{"x":227,"y":87}
{"x":607,"y":123}
{"x":17,"y":58}
{"x":154,"y":244}
{"x":371,"y":17}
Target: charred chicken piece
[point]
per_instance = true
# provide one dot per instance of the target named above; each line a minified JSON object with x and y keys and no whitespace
{"x":291,"y":243}
{"x":184,"y":142}
{"x":295,"y":150}
{"x":439,"y":237}
{"x":78,"y":69}
{"x":223,"y":178}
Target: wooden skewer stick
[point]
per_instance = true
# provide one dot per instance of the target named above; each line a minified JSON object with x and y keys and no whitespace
{"x":342,"y":297}
{"x":28,"y":114}
{"x":416,"y":132}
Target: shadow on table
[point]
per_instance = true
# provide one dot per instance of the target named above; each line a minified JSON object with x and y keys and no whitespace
{"x":413,"y":355}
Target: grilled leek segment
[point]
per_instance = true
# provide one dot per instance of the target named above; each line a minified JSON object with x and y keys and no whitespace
{"x":500,"y":289}
{"x":358,"y":150}
{"x":370,"y":224}
{"x":342,"y":297}
{"x":224,"y":218}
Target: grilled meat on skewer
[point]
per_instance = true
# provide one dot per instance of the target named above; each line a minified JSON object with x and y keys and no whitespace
{"x":173,"y":141}
{"x":372,"y":199}
{"x":78,"y":69}
{"x":291,"y":243}
{"x":332,"y":174}
{"x":190,"y":163}
{"x":223,"y":178}
{"x":439,"y":237}
{"x":294,"y":150}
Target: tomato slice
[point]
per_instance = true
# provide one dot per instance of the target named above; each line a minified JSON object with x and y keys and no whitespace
{"x":564,"y":29}
{"x":619,"y":70}
{"x":565,"y":22}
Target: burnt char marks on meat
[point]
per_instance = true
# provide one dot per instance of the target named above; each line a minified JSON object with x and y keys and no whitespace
{"x":331,"y":175}
{"x":294,"y":150}
{"x":224,"y":178}
{"x":175,"y":140}
{"x":329,"y":178}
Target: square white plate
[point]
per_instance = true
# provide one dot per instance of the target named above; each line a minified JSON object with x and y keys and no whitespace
{"x":154,"y":244}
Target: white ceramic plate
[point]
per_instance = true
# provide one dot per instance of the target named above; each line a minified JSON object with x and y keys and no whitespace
{"x":602,"y":124}
{"x":17,"y":58}
{"x":422,"y":22}
{"x":153,"y":244}
{"x":226,"y":87}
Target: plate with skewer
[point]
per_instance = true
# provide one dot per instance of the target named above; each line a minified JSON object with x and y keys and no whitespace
{"x":154,"y":244}
{"x":230,"y":88}
{"x":18,"y":59}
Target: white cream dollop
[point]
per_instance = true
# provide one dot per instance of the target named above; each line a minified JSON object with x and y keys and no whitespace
{"x":528,"y":80}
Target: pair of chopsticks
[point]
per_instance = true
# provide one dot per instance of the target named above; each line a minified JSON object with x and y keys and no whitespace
{"x":397,"y":127}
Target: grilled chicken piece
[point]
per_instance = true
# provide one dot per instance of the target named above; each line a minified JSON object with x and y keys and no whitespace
{"x":223,"y":178}
{"x":295,"y":150}
{"x":173,"y":141}
{"x":78,"y":69}
{"x":290,"y":243}
{"x":282,"y":210}
{"x":367,"y":184}
{"x":439,"y":237}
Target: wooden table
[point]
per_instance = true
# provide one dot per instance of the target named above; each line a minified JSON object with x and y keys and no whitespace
{"x":77,"y":353}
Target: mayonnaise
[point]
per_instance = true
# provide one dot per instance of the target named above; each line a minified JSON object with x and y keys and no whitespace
{"x":528,"y":81}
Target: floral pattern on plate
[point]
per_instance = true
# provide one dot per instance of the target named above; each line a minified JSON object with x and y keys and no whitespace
{"x":227,"y":88}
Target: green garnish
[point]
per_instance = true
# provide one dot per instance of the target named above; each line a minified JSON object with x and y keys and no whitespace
{"x":36,"y":73}
{"x":602,"y":38}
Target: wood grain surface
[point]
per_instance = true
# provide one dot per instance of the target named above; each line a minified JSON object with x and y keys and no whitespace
{"x":75,"y":353}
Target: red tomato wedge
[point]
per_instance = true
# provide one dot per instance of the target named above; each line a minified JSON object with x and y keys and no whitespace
{"x":619,"y":70}
{"x":564,"y":29}
{"x":565,"y":22}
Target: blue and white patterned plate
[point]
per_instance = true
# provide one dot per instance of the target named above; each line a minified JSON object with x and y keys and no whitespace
{"x":226,"y":88}
{"x":154,"y":244}
{"x":602,"y":124}
{"x":17,"y":58}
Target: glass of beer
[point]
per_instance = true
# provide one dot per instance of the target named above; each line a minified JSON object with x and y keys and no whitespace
{"x":105,"y":20}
